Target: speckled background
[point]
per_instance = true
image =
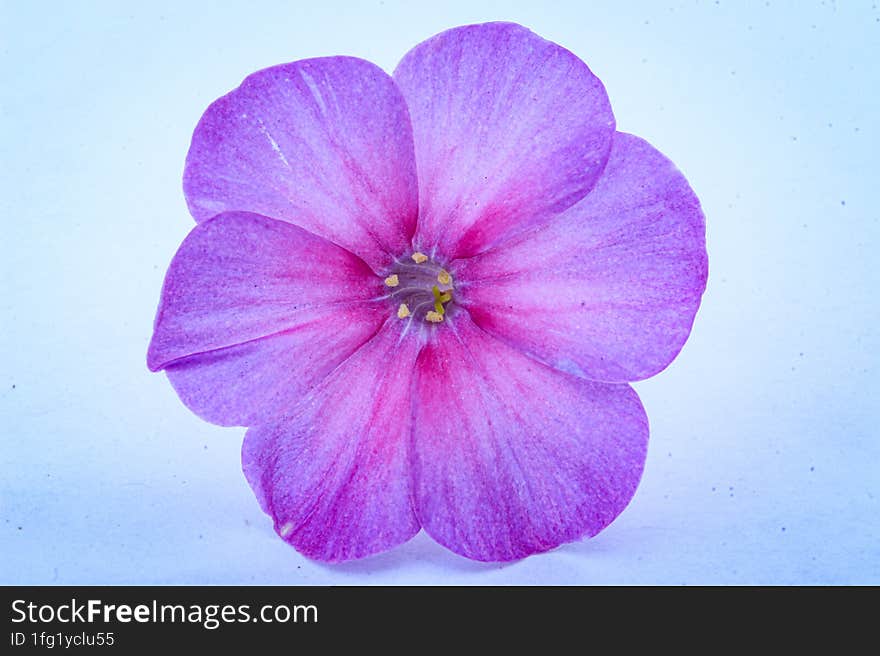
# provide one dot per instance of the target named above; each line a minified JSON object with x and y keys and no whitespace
{"x":764,"y":459}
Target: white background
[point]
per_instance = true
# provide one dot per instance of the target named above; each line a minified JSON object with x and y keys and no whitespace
{"x":763,"y":462}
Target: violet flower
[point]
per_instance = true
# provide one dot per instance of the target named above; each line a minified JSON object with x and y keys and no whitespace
{"x":426,"y":294}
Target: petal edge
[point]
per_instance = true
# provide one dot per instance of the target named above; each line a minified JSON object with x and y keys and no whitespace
{"x":609,"y":289}
{"x":512,"y":457}
{"x":243,"y":325}
{"x":334,"y":473}
{"x":323,"y":143}
{"x":509,"y":129}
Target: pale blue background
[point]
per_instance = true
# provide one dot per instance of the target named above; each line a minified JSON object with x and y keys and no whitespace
{"x":763,"y":463}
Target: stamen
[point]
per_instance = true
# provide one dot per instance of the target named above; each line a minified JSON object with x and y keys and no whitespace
{"x":420,"y":289}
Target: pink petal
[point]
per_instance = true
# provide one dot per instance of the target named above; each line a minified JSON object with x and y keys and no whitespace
{"x":255,"y":311}
{"x":512,"y":457}
{"x":334,"y":474}
{"x":509,"y":129}
{"x":609,"y":289}
{"x":325,"y":144}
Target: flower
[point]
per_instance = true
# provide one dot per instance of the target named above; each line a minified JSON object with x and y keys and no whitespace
{"x":426,"y":295}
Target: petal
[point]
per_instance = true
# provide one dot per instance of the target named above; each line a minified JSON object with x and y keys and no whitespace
{"x":512,"y":457}
{"x":325,"y":144}
{"x":254,"y":311}
{"x":608,"y":290}
{"x":509,"y":130}
{"x":334,"y":474}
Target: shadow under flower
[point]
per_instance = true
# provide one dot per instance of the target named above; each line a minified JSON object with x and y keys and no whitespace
{"x":420,"y":549}
{"x":423,"y":550}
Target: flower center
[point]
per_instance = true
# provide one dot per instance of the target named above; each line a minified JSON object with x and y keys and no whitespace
{"x":420,"y":288}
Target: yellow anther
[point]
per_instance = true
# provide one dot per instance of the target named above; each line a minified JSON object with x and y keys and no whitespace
{"x":434,"y":317}
{"x":418,"y":258}
{"x":392,"y":281}
{"x":403,"y":311}
{"x":444,"y":278}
